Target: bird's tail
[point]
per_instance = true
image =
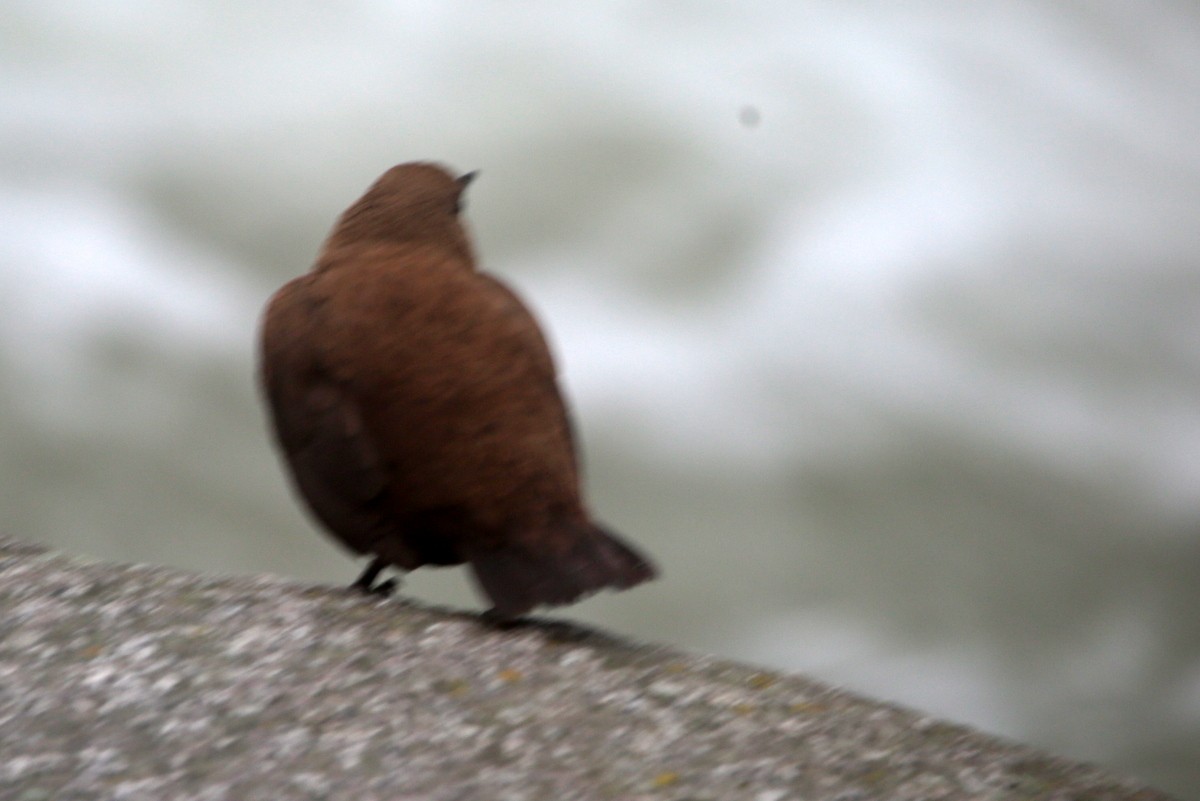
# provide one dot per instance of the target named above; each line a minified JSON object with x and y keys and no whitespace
{"x":563,"y":568}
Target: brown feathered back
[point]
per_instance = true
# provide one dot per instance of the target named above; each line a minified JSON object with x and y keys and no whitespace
{"x":416,"y":404}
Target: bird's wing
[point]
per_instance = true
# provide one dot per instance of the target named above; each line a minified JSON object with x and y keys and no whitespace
{"x":538,"y":351}
{"x":319,"y":427}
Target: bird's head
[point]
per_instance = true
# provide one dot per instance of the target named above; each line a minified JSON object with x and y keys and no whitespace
{"x":413,"y":202}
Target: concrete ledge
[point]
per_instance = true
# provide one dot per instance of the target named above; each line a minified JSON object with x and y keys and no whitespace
{"x":138,"y":682}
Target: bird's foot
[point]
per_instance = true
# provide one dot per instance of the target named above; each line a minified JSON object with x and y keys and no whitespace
{"x":366,"y":582}
{"x":497,"y":620}
{"x":385,"y":589}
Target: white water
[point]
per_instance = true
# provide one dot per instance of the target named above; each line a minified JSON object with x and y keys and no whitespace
{"x":882,"y":324}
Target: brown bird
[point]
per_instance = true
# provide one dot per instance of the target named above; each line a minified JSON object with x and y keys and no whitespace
{"x":415,"y":401}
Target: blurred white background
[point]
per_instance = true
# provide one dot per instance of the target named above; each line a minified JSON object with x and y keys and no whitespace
{"x":881,"y":321}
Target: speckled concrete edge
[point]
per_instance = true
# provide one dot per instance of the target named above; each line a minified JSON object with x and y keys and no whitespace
{"x":14,"y":547}
{"x":559,"y":630}
{"x":960,"y":762}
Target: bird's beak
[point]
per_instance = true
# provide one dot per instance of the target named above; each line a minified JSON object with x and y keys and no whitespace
{"x":465,"y":180}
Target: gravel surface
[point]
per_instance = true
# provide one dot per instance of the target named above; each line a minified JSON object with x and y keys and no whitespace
{"x":138,"y":682}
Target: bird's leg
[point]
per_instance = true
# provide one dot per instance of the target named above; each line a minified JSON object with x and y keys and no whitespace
{"x":366,"y":582}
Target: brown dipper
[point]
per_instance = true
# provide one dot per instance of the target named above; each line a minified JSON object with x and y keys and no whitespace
{"x":415,"y":401}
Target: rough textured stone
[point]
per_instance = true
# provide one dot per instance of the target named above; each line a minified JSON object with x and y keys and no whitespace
{"x":136,"y":682}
